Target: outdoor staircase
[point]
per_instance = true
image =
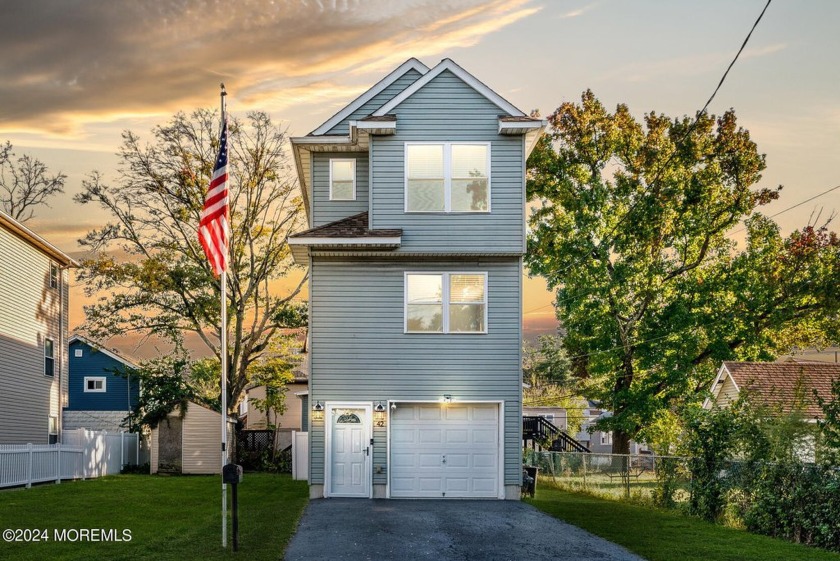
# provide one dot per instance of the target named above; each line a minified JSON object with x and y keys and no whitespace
{"x":541,"y":433}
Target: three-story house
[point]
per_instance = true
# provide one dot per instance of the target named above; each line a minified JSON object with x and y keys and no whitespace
{"x":415,"y":198}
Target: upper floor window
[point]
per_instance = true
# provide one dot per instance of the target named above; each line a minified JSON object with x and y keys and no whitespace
{"x":446,"y":302}
{"x":447,"y":177}
{"x":49,"y":358}
{"x":342,"y":180}
{"x":54,"y":275}
{"x":95,"y":384}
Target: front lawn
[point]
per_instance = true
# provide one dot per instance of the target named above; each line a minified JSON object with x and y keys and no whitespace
{"x":660,"y":535}
{"x":176,"y":518}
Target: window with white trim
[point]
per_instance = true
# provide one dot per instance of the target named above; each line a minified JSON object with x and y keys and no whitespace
{"x":342,"y":179}
{"x":447,"y":177}
{"x":606,"y":438}
{"x":446,"y":302}
{"x":49,"y":358}
{"x":95,"y":384}
{"x":54,"y":276}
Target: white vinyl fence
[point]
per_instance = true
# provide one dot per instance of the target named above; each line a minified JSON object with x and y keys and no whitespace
{"x":82,"y":454}
{"x":300,"y":455}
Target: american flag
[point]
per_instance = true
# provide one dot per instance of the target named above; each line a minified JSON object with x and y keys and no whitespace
{"x":213,"y":229}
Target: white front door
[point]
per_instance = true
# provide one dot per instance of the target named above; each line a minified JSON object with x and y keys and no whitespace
{"x":349,"y":452}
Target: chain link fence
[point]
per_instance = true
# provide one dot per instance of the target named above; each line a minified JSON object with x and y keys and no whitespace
{"x":664,"y":480}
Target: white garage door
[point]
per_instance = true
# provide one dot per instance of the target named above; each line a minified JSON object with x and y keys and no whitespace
{"x":446,"y":450}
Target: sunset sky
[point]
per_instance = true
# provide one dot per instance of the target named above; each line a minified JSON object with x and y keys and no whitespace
{"x":76,"y":73}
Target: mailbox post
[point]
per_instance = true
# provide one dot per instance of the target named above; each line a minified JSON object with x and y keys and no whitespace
{"x":232,"y":475}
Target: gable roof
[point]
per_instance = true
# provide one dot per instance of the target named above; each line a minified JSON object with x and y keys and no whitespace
{"x":782,"y":384}
{"x":100,"y":349}
{"x":397,"y":73}
{"x":36,"y":241}
{"x":466,"y":77}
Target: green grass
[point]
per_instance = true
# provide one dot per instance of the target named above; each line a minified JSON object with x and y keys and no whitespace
{"x":660,"y":535}
{"x":176,"y":518}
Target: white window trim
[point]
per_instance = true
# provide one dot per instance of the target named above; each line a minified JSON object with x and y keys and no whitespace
{"x":49,"y":357}
{"x":57,"y":277}
{"x":353,"y":162}
{"x":447,"y":177}
{"x":445,"y":302}
{"x":96,"y":379}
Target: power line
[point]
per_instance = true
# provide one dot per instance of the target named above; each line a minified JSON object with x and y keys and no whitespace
{"x":818,"y":195}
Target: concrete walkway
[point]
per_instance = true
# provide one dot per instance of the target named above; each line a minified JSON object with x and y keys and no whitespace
{"x":358,"y":529}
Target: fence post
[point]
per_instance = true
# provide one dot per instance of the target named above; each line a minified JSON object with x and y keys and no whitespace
{"x":122,"y":450}
{"x":627,"y":475}
{"x":29,"y":471}
{"x":58,"y":463}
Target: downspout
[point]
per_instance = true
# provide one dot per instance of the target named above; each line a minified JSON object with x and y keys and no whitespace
{"x":61,"y":320}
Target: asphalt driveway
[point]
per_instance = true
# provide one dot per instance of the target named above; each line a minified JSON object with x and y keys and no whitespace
{"x":358,"y":529}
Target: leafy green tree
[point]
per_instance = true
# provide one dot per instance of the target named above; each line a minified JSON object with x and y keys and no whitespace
{"x":547,"y":373}
{"x":630,"y":229}
{"x":166,"y":384}
{"x":25,"y":183}
{"x":147,"y":266}
{"x":830,"y":424}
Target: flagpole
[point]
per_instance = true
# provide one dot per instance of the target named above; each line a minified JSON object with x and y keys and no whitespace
{"x":224,"y":363}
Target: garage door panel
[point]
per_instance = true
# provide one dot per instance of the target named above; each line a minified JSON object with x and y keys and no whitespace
{"x":426,"y":435}
{"x":457,"y":436}
{"x":485,"y":436}
{"x":428,"y":414}
{"x":467,"y":436}
{"x":488,"y":461}
{"x":456,"y":413}
{"x":429,"y":460}
{"x":485,"y":414}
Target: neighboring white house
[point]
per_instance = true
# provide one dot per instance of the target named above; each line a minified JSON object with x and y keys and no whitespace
{"x":33,"y":335}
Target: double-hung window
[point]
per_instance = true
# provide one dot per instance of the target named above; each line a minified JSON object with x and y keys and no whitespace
{"x":54,"y":276}
{"x":49,"y":358}
{"x":446,"y":302}
{"x":342,"y":179}
{"x":447,"y":177}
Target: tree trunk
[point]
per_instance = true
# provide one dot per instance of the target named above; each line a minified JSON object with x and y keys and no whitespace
{"x":621,"y":443}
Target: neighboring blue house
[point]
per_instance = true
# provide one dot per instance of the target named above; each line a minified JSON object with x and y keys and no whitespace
{"x":415,"y":199}
{"x":99,"y":399}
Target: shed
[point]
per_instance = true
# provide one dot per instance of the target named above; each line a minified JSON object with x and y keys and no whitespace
{"x":189,"y":443}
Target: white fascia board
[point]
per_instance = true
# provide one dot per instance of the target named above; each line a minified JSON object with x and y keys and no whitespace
{"x":466,"y":77}
{"x":715,"y":387}
{"x":302,"y":140}
{"x":345,"y":241}
{"x":410,"y":64}
{"x":37,"y":241}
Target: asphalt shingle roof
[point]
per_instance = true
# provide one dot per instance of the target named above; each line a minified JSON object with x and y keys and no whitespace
{"x":780,"y":384}
{"x":355,"y":226}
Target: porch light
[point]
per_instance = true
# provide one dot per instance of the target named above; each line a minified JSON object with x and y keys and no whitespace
{"x":379,"y":410}
{"x":447,"y":398}
{"x":318,"y":411}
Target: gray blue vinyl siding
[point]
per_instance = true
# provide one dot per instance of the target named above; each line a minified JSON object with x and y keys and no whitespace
{"x":30,"y":312}
{"x":448,"y":110}
{"x":360,"y":352}
{"x":120,"y":393}
{"x":324,"y":210}
{"x":376,"y":102}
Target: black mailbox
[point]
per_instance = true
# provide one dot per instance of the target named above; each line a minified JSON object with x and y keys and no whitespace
{"x":232,"y":473}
